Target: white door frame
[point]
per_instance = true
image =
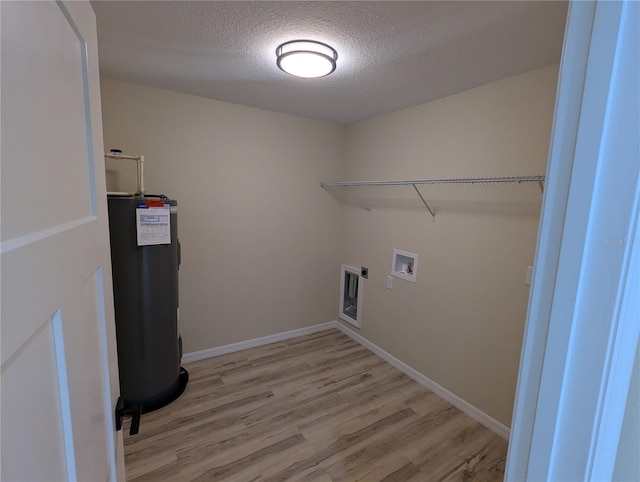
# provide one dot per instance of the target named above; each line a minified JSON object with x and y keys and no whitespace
{"x":582,"y":325}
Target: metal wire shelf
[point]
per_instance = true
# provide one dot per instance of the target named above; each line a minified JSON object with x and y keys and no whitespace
{"x":537,"y":179}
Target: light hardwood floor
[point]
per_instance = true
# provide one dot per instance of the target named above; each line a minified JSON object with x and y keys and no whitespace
{"x":315,"y":408}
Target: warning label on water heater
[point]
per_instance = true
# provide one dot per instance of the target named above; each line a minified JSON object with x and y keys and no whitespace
{"x":153,"y":226}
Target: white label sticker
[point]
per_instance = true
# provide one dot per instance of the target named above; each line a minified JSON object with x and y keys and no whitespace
{"x":153,"y":226}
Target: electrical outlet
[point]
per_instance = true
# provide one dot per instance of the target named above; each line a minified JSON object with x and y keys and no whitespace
{"x":528,"y":276}
{"x":390,"y":282}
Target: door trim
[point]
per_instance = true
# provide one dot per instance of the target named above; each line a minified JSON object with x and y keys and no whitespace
{"x":581,"y":333}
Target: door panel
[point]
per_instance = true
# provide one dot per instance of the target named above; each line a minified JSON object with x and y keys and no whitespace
{"x":59,"y":363}
{"x":31,"y":395}
{"x":42,"y":77}
{"x":86,"y":388}
{"x":57,"y":256}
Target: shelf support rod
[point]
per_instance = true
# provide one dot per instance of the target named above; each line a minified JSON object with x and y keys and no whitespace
{"x":433,"y":215}
{"x":325,"y":186}
{"x":362,"y":205}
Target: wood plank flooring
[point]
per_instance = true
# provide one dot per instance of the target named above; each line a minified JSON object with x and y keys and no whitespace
{"x":318,"y":408}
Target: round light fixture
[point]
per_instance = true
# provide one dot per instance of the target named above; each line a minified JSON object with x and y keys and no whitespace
{"x":306,"y":58}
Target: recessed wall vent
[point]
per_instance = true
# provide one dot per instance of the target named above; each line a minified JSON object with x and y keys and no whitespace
{"x":350,"y":295}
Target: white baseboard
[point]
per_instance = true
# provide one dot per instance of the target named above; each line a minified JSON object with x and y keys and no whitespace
{"x":263,"y":340}
{"x":464,"y":406}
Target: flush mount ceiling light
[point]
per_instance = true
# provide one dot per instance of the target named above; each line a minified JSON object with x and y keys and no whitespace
{"x":306,"y":58}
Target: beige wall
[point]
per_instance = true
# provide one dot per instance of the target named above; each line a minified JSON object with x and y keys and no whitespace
{"x":260,"y":244}
{"x":461,"y":323}
{"x":627,"y":468}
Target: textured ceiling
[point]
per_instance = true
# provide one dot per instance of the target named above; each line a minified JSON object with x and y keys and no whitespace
{"x":392,"y":55}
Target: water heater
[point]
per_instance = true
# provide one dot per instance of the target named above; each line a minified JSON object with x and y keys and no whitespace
{"x":145,"y":257}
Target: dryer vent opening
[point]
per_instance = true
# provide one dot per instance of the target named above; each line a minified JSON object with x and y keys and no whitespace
{"x":350,"y":295}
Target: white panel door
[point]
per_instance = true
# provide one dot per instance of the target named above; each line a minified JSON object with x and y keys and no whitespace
{"x":59,"y":377}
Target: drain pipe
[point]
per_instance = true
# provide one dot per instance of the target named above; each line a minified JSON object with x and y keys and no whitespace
{"x":118,"y":155}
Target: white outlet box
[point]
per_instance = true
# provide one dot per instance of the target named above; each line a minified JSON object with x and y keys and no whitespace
{"x":390,"y":282}
{"x":404,"y":265}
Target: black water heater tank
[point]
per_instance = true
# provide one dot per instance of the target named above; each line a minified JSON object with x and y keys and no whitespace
{"x":145,"y":291}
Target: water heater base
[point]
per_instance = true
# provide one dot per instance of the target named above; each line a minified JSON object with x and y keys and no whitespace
{"x":173,"y":395}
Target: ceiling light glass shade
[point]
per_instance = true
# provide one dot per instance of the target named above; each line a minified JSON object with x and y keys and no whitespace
{"x":306,"y":58}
